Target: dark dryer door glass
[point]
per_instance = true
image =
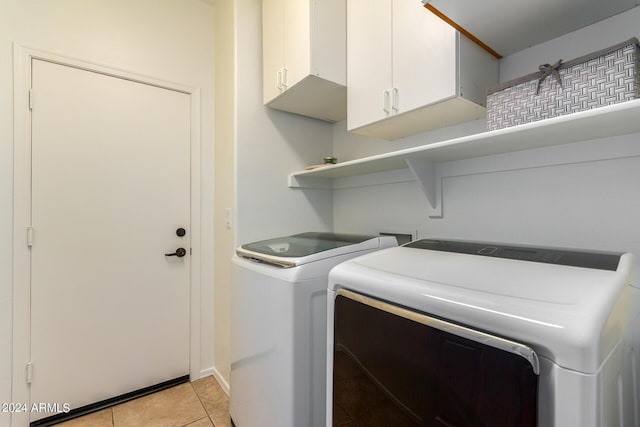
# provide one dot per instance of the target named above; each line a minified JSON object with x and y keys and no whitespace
{"x":393,"y":371}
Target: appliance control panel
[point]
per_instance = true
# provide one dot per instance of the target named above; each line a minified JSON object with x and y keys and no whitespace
{"x":569,"y":257}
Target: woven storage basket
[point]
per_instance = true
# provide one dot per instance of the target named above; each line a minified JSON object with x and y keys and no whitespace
{"x":602,"y":78}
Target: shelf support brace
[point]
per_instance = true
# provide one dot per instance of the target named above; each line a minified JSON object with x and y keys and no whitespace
{"x":310,"y":182}
{"x":430,"y":181}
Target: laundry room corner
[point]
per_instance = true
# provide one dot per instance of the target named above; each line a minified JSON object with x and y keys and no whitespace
{"x":577,"y":195}
{"x":256,"y":149}
{"x":301,"y":213}
{"x":269,"y":145}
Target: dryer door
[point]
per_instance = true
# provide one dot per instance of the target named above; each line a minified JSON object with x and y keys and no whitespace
{"x":402,"y":368}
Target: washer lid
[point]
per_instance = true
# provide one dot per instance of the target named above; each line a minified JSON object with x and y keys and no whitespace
{"x":571,"y":315}
{"x":291,"y":251}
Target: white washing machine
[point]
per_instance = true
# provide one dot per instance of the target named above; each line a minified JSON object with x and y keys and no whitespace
{"x":452,"y":333}
{"x":278,"y":326}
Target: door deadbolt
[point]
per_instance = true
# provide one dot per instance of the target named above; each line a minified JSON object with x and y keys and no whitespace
{"x":180,"y":252}
{"x":181,"y":232}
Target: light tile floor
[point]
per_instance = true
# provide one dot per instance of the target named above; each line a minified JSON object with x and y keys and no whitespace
{"x":201,"y":403}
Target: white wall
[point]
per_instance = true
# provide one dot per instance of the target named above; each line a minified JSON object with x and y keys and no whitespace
{"x":270,"y":144}
{"x":267,"y":145}
{"x":224,"y":183}
{"x":573,"y":45}
{"x":594,"y":204}
{"x":170,"y":40}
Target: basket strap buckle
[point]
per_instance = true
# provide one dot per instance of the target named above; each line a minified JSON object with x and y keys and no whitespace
{"x":547,"y":70}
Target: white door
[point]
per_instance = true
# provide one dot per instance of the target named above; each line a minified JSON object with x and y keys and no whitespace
{"x":425,"y":57}
{"x":297,"y":41}
{"x":369,"y":76}
{"x":110,"y":187}
{"x":272,"y":48}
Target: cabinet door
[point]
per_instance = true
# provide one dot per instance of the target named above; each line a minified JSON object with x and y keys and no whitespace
{"x":368,"y":60}
{"x":424,"y":56}
{"x":272,"y":47}
{"x":297,"y":40}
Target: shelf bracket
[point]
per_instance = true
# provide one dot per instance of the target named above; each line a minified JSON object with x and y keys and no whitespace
{"x":430,"y":181}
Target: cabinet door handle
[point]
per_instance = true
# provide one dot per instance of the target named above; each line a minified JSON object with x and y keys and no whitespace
{"x":284,"y":79}
{"x":395,"y":96}
{"x":279,"y":80}
{"x":385,"y":101}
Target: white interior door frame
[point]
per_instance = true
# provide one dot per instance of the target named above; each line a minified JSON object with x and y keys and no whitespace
{"x":22,"y":212}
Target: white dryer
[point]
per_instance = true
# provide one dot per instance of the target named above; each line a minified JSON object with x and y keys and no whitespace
{"x":452,"y":333}
{"x":278,"y":326}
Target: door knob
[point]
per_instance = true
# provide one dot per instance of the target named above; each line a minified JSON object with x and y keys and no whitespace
{"x":180,"y":252}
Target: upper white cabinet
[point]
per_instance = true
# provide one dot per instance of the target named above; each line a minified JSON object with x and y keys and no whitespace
{"x":304,"y":57}
{"x":409,"y":71}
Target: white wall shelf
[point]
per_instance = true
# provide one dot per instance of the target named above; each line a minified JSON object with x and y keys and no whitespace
{"x":614,"y":120}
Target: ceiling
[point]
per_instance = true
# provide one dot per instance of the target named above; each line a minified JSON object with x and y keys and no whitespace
{"x":508,"y":26}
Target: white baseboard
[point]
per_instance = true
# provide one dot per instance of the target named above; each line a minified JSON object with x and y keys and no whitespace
{"x":213,"y":371}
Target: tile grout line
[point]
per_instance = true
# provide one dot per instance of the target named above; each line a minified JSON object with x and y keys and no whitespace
{"x":201,"y":404}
